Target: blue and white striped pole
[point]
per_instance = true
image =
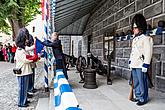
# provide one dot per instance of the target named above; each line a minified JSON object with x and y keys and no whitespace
{"x":53,"y":13}
{"x":46,"y":49}
{"x":53,"y":7}
{"x":50,"y":52}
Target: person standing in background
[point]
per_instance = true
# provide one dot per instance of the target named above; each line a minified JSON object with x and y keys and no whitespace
{"x":13,"y":50}
{"x":9,"y":52}
{"x":1,"y":53}
{"x":4,"y":50}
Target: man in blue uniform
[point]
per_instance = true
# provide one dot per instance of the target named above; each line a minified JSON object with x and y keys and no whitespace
{"x":140,"y":58}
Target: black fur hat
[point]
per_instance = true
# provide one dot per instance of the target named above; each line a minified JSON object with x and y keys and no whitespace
{"x":139,"y":22}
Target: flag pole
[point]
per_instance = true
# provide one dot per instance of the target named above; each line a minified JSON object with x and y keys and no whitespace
{"x":45,"y":19}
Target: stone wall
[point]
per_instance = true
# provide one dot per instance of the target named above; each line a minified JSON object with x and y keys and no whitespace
{"x":158,"y":62}
{"x":66,"y":44}
{"x":77,"y":45}
{"x":67,"y":41}
{"x":115,"y":16}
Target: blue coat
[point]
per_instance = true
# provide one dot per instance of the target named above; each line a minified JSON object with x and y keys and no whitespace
{"x":56,"y":47}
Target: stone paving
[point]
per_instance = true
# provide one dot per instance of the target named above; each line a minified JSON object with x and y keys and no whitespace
{"x":111,"y":97}
{"x":105,"y":97}
{"x":9,"y":88}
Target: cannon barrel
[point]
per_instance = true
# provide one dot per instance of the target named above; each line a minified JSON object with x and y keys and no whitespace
{"x":96,"y":64}
{"x":70,"y":60}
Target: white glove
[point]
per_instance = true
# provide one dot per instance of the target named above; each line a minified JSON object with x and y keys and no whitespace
{"x":144,"y":69}
{"x":43,"y":39}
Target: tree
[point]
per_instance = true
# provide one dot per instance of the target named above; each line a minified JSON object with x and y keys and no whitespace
{"x":15,"y":14}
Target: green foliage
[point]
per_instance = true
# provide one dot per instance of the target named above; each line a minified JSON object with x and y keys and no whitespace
{"x":31,"y":10}
{"x":21,"y":10}
{"x":4,"y":27}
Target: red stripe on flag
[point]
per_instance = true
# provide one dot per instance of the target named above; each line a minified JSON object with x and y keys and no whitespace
{"x":35,"y":53}
{"x":42,"y":6}
{"x":48,"y":9}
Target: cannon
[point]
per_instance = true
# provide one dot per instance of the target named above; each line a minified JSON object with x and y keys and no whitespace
{"x":95,"y":64}
{"x":80,"y":66}
{"x":70,"y":60}
{"x":103,"y":69}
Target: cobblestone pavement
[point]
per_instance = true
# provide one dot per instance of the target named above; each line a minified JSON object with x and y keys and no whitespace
{"x":9,"y":87}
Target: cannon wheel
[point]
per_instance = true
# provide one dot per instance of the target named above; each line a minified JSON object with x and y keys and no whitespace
{"x":66,"y":61}
{"x":81,"y":64}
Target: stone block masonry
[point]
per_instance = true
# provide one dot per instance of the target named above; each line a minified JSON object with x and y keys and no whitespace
{"x":115,"y":16}
{"x":66,"y":41}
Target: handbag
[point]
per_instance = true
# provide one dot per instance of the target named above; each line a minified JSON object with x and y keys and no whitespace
{"x":17,"y":70}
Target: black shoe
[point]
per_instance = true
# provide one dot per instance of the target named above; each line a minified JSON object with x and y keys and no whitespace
{"x":29,"y":95}
{"x":46,"y":89}
{"x":27,"y":102}
{"x":134,"y":100}
{"x":26,"y":105}
{"x":140,"y":103}
{"x":34,"y":90}
{"x":109,"y":82}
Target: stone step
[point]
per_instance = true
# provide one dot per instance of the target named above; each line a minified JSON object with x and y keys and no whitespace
{"x":43,"y":104}
{"x":51,"y":100}
{"x":46,"y":103}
